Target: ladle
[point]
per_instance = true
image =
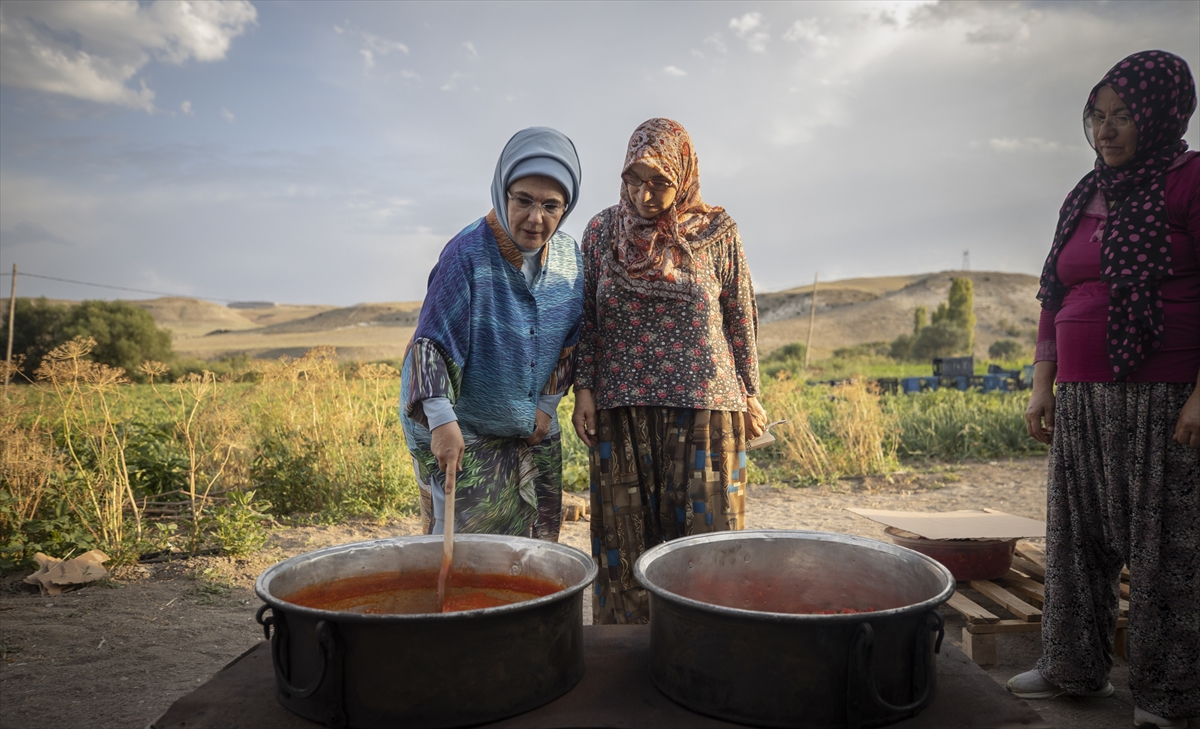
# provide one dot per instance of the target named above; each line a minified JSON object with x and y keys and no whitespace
{"x":448,"y":542}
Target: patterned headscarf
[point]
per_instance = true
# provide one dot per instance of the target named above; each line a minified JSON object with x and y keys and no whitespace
{"x":656,"y":255}
{"x":1161,"y":95}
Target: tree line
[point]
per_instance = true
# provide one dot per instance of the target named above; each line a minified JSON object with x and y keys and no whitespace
{"x":125,"y":334}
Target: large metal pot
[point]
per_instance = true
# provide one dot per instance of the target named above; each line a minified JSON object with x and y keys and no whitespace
{"x":724,"y":642}
{"x":426,"y":670}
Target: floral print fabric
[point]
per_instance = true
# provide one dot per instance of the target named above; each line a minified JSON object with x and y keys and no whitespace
{"x":658,"y":256}
{"x":640,"y":349}
{"x":1161,"y":95}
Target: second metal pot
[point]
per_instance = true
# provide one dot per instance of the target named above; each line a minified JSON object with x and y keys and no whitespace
{"x":724,"y":644}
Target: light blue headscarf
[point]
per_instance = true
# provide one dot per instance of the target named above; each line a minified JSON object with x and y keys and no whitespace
{"x":536,"y":151}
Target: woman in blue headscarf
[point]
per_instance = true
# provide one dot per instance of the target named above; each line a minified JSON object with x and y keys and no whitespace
{"x":493,"y":351}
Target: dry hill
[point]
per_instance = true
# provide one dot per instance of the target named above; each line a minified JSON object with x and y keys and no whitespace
{"x":856,"y":311}
{"x":850,"y":311}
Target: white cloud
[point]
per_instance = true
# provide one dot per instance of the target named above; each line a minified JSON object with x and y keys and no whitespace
{"x":93,"y":50}
{"x":228,"y":115}
{"x":717,"y":42}
{"x":1025,"y":144}
{"x":807,"y":31}
{"x":452,"y":83}
{"x":383,"y":46}
{"x":747,"y":28}
{"x":471,"y":49}
{"x":674,"y":71}
{"x":745,"y":24}
{"x":373,"y":46}
{"x":186,"y":108}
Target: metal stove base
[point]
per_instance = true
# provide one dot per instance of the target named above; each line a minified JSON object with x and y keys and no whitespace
{"x":616,"y":692}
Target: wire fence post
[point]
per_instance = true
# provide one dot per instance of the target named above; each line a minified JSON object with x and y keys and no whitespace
{"x":12,"y":312}
{"x":812,"y":315}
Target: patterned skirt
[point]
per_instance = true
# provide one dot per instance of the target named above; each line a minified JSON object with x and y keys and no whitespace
{"x":505,"y":487}
{"x":1121,"y":492}
{"x":658,"y":474}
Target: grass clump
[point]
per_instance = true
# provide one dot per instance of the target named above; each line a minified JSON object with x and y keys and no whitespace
{"x":89,"y":460}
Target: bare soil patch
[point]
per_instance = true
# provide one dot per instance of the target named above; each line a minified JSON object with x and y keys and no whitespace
{"x":117,"y":654}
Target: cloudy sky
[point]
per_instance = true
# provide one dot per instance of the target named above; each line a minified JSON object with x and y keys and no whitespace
{"x":308,"y":152}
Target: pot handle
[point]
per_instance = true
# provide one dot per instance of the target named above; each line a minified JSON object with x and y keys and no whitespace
{"x":331,"y":659}
{"x":862,"y":677}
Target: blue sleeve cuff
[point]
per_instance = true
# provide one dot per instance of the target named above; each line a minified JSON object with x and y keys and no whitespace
{"x":438,"y":411}
{"x":548,"y":404}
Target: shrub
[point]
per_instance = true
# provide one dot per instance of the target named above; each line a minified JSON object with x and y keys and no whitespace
{"x":576,"y":472}
{"x":1005,"y":350}
{"x":789,"y":357}
{"x":953,"y":425}
{"x":943,"y":339}
{"x":124,"y":335}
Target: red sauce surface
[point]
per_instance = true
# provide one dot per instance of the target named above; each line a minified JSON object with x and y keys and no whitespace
{"x":410,"y":593}
{"x":775,"y":594}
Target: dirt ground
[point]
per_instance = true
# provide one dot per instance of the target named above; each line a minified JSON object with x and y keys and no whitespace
{"x":118,"y":653}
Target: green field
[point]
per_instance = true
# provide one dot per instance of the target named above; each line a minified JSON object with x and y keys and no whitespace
{"x":207,"y":463}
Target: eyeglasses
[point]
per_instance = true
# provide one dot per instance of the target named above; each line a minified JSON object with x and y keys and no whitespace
{"x":523,"y":203}
{"x":1095,"y":121}
{"x":1118,"y":121}
{"x":658,"y":184}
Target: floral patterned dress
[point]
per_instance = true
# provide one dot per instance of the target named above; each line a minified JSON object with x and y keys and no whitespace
{"x":670,"y":376}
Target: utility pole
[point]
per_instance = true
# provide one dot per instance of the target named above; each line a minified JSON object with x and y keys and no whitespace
{"x":12,"y":312}
{"x":966,"y":260}
{"x":812,"y":316}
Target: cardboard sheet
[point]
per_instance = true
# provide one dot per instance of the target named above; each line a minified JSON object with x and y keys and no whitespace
{"x":970,"y":524}
{"x":56,"y":575}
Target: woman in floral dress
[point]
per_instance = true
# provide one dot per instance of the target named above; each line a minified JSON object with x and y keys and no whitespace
{"x":666,"y":378}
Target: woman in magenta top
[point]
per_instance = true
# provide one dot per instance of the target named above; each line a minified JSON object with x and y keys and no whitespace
{"x":1120,"y":336}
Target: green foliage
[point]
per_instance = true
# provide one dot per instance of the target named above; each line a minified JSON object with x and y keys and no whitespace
{"x":901,"y":349}
{"x":237,"y":367}
{"x":157,"y":463}
{"x":576,"y":473}
{"x":869,"y":349}
{"x":954,"y":425}
{"x":54,"y":531}
{"x":91,"y":462}
{"x":943,"y":339}
{"x":125,"y":334}
{"x":37,"y":329}
{"x":286,"y":469}
{"x":789,"y":357}
{"x":1005,"y":349}
{"x":238,"y":525}
{"x":843,"y":430}
{"x":951,"y":330}
{"x":961,"y":309}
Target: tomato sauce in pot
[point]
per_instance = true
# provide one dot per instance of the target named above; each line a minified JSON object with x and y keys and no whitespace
{"x":413,"y":593}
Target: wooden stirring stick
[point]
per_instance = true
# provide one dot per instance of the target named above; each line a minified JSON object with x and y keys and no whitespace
{"x":448,"y":542}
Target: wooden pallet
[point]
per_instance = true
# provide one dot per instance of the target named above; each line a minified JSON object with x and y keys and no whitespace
{"x":1021,"y":593}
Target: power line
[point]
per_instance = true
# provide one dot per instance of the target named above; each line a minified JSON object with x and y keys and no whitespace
{"x":121,"y":288}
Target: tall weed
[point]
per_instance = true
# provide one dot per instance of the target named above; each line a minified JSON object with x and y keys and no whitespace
{"x":85,"y":397}
{"x":955,"y":425}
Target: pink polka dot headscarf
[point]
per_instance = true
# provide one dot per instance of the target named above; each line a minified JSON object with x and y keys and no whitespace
{"x":1160,"y":92}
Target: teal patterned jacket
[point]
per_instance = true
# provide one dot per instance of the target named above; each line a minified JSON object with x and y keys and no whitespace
{"x":490,"y":342}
